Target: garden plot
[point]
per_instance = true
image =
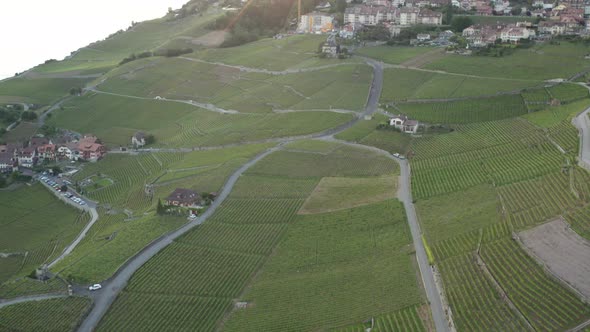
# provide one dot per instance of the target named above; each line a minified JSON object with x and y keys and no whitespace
{"x":563,"y":251}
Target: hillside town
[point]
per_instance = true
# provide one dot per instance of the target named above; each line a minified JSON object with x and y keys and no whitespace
{"x":543,"y":20}
{"x":40,"y":149}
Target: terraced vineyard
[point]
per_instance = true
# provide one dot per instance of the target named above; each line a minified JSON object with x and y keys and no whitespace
{"x":31,"y":235}
{"x":546,"y":304}
{"x":407,"y":319}
{"x":361,"y":254}
{"x":62,"y":314}
{"x":509,"y":175}
{"x":568,"y":92}
{"x":215,"y":267}
{"x":466,"y":111}
{"x":220,"y":258}
{"x":475,"y":303}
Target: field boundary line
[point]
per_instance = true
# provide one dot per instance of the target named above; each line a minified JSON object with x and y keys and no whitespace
{"x":546,"y":268}
{"x":483,"y":266}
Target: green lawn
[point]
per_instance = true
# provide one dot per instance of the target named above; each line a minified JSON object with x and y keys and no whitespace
{"x":35,"y":227}
{"x":63,"y":314}
{"x":392,"y":54}
{"x":540,"y":62}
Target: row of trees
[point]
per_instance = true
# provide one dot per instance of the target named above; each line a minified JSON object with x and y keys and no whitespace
{"x":167,"y":52}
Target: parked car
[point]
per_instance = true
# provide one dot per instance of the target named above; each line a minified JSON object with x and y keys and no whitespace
{"x":396,"y":155}
{"x":94,"y":287}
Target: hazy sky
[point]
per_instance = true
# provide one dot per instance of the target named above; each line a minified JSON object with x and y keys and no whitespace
{"x":32,"y":31}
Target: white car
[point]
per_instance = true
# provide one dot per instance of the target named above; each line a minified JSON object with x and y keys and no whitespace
{"x":94,"y":287}
{"x":396,"y":155}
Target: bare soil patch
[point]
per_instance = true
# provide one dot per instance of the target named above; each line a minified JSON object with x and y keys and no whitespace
{"x":563,"y":251}
{"x":339,"y":193}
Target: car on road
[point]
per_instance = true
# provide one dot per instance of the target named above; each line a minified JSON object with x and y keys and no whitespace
{"x":94,"y":287}
{"x":396,"y":155}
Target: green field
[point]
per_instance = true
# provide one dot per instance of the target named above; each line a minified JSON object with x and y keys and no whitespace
{"x":49,"y":315}
{"x":466,"y":111}
{"x":392,"y":54}
{"x":27,"y":286}
{"x":342,"y":87}
{"x":35,"y":227}
{"x":365,"y":132}
{"x":115,"y":237}
{"x":319,"y":277}
{"x":244,"y":232}
{"x":406,"y":84}
{"x":339,"y":193}
{"x":508,"y":176}
{"x":116,"y":119}
{"x":541,"y":62}
{"x":291,"y":52}
{"x":104,"y":55}
{"x":42,"y":91}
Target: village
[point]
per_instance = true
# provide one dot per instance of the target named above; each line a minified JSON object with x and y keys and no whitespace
{"x":541,"y":21}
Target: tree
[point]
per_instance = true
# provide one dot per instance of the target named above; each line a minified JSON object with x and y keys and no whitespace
{"x":150,"y":139}
{"x":63,"y":188}
{"x":160,"y":208}
{"x":459,"y":23}
{"x":516,"y":10}
{"x":29,"y":116}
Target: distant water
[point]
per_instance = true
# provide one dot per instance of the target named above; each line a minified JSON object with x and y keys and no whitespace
{"x":32,"y":31}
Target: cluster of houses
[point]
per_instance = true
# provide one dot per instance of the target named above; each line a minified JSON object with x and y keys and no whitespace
{"x":40,"y":149}
{"x":395,"y":18}
{"x":185,"y":199}
{"x":480,"y":35}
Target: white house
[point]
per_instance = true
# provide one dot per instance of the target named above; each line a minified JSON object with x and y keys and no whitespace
{"x":404,"y":124}
{"x":138,"y":139}
{"x":515,"y":34}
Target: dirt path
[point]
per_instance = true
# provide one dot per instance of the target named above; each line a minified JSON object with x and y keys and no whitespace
{"x":562,"y":251}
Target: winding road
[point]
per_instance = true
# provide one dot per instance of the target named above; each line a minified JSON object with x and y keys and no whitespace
{"x":111,"y":287}
{"x":582,"y":122}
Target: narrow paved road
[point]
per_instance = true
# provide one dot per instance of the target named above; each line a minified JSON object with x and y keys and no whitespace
{"x":404,"y":194}
{"x":104,"y":298}
{"x":107,"y":295}
{"x":5,"y":303}
{"x":582,"y":122}
{"x":81,"y":236}
{"x":432,"y":291}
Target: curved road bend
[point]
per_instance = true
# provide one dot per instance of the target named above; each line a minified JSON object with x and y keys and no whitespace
{"x":582,"y":122}
{"x":107,"y":295}
{"x":82,"y":235}
{"x":105,"y":298}
{"x":404,"y":194}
